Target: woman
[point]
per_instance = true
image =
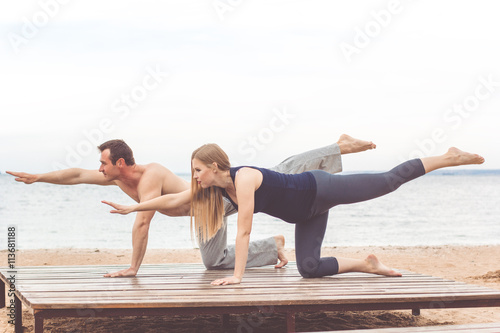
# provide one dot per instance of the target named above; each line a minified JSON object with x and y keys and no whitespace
{"x":303,"y":199}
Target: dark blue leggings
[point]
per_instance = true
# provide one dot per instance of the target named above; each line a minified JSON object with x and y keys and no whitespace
{"x":334,"y":190}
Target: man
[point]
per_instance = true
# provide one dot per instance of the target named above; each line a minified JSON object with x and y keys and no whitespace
{"x":145,"y":182}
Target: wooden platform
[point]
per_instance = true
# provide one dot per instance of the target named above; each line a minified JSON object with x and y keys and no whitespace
{"x":170,"y":289}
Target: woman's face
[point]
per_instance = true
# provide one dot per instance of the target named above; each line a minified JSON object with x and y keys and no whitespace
{"x":202,"y":173}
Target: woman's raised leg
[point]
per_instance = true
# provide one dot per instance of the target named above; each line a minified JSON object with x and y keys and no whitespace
{"x":333,"y":190}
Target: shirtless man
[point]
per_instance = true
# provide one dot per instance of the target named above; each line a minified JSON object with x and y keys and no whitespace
{"x":145,"y":182}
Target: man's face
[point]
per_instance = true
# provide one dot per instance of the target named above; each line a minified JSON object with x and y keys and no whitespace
{"x":110,"y":171}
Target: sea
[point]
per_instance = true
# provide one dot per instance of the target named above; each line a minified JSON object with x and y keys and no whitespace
{"x":460,"y":207}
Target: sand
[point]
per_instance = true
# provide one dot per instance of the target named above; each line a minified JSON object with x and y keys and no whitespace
{"x":471,"y":264}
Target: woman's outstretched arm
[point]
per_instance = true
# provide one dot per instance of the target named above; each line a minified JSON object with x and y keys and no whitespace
{"x":247,"y":182}
{"x":168,"y":201}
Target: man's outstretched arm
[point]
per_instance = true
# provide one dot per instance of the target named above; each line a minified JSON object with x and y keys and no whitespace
{"x":70,"y":176}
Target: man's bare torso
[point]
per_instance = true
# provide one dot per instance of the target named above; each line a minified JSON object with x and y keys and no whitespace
{"x":155,"y":177}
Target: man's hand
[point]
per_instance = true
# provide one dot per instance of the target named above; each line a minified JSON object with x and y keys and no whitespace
{"x":24,"y":177}
{"x":225,"y":281}
{"x":123,"y":273}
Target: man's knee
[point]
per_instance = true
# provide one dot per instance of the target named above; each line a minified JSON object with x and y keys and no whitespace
{"x":212,"y":261}
{"x":213,"y":266}
{"x":209,"y":263}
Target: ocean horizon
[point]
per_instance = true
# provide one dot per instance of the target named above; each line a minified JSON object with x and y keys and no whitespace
{"x":445,"y":207}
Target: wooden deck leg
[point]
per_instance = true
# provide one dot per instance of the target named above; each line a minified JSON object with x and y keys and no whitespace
{"x":290,"y":322}
{"x":415,"y":312}
{"x":18,"y":306}
{"x":38,"y":323}
{"x":2,"y":295}
{"x":225,"y":322}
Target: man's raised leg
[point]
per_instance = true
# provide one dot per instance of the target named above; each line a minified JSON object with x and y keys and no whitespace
{"x":326,"y":158}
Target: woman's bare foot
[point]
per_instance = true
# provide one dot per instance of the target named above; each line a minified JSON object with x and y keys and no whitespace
{"x":280,"y":244}
{"x":374,"y":266}
{"x":459,"y":157}
{"x":349,"y":145}
{"x":453,"y":157}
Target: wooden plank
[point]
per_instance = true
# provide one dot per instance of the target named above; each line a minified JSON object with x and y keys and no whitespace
{"x":18,"y":324}
{"x":233,"y":301}
{"x":275,"y":281}
{"x":257,"y":289}
{"x":145,"y":283}
{"x":184,"y":268}
{"x":289,"y":272}
{"x":297,"y":293}
{"x":480,"y":328}
{"x":272,"y":283}
{"x":38,"y":323}
{"x":247,"y":288}
{"x":3,"y":291}
{"x":290,"y":321}
{"x":155,"y":284}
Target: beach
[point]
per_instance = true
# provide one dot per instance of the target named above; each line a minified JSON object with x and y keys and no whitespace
{"x":470,"y":264}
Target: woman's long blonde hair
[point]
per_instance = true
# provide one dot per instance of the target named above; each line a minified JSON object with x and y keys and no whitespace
{"x":207,"y":205}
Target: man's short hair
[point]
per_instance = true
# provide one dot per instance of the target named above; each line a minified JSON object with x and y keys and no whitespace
{"x":118,"y":149}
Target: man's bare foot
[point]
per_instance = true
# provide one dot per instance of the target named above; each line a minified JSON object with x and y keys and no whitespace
{"x":376,"y":267}
{"x":280,"y":244}
{"x":349,"y":145}
{"x":459,"y":157}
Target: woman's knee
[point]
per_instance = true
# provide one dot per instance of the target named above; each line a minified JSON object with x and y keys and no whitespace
{"x":308,"y":267}
{"x":314,"y":268}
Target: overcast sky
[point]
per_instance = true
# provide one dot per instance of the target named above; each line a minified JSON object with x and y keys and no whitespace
{"x":263,"y":79}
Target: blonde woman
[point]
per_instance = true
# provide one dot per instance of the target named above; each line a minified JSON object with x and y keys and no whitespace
{"x":303,"y":199}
